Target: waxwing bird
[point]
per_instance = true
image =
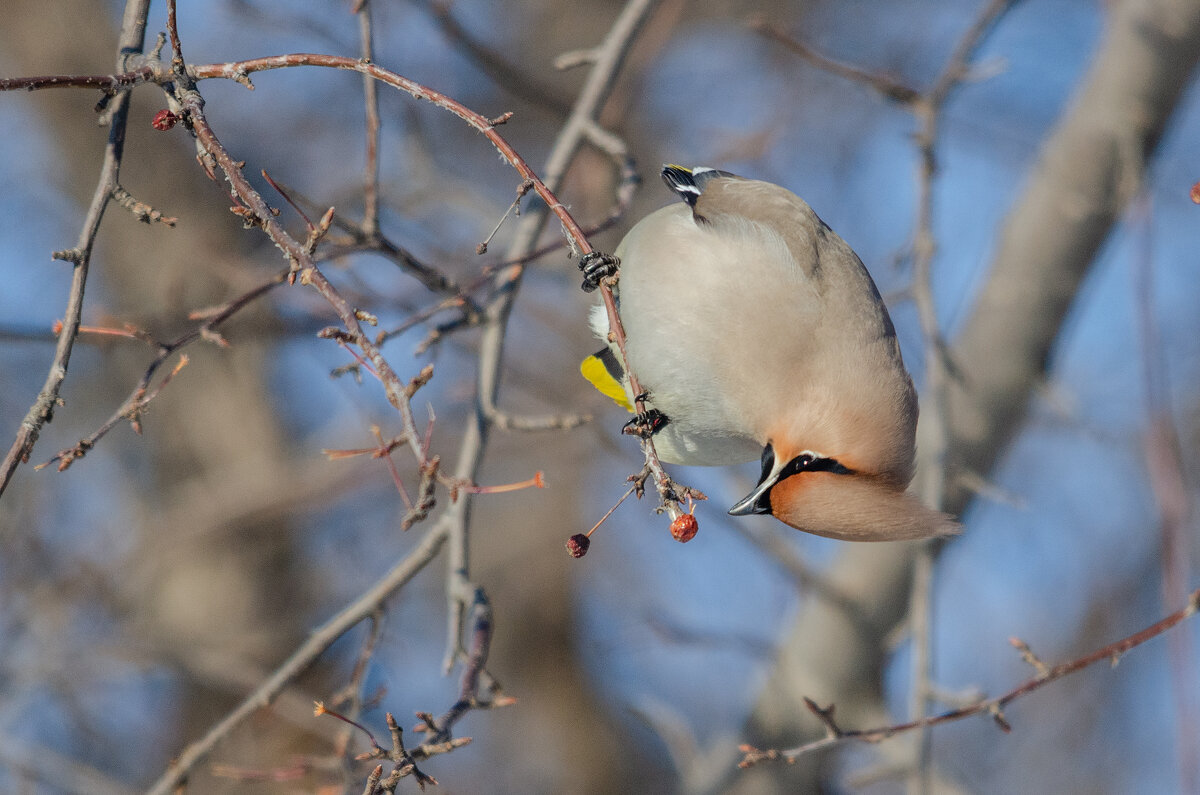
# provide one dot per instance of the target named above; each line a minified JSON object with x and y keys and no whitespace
{"x":758,"y":333}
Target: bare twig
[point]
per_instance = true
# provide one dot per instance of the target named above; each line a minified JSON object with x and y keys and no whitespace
{"x":141,"y":395}
{"x":439,"y":735}
{"x":258,"y":213}
{"x":994,"y":707}
{"x":479,"y":612}
{"x":141,"y":210}
{"x":110,"y":84}
{"x":351,"y":695}
{"x":483,"y":124}
{"x":376,"y":242}
{"x":370,"y":224}
{"x":513,"y":209}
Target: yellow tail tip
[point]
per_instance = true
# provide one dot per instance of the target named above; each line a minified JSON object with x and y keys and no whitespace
{"x":597,"y":374}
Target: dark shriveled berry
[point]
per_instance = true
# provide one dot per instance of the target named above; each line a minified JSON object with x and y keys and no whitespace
{"x":577,"y":545}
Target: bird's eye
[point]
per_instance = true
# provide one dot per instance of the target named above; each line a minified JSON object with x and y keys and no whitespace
{"x":800,"y":463}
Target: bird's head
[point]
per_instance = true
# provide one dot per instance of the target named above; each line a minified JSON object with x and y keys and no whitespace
{"x":826,"y":496}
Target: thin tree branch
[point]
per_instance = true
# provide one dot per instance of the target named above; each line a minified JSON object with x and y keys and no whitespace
{"x":370,"y":224}
{"x":130,"y":42}
{"x":376,"y":242}
{"x":142,"y":395}
{"x":670,"y":498}
{"x":110,"y":84}
{"x":483,"y":124}
{"x":835,"y":735}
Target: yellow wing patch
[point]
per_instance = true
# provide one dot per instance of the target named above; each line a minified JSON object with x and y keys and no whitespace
{"x":597,"y":374}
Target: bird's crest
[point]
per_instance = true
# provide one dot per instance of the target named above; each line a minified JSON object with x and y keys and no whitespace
{"x":689,"y":182}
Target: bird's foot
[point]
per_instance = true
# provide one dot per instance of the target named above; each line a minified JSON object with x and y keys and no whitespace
{"x":597,"y":267}
{"x":646,"y":424}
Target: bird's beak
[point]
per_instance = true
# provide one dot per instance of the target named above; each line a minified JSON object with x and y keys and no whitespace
{"x":759,"y":500}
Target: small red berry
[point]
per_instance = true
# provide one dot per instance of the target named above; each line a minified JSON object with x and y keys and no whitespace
{"x":164,"y":120}
{"x":684,"y":528}
{"x":578,"y":545}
